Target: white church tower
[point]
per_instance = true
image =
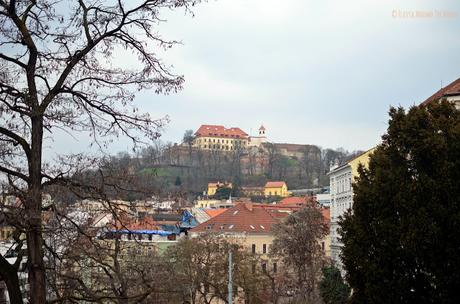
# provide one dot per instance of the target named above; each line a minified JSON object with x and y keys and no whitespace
{"x":256,"y":141}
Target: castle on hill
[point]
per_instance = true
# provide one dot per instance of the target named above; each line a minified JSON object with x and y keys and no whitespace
{"x":219,"y":138}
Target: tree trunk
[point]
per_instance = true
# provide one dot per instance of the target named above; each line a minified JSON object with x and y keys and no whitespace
{"x":33,"y":210}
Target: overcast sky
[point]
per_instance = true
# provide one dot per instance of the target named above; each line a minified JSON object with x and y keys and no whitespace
{"x":321,"y":72}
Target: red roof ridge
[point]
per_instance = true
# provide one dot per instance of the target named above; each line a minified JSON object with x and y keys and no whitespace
{"x":451,"y":88}
{"x":220,"y":131}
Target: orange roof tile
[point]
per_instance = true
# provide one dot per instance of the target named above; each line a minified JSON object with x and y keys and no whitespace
{"x":244,"y":217}
{"x":276,"y":184}
{"x":293,"y":200}
{"x":215,"y":212}
{"x":250,"y":218}
{"x":220,"y":131}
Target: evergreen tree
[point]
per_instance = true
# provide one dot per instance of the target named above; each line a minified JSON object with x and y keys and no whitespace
{"x":332,"y":287}
{"x":222,"y":193}
{"x":401,"y":240}
{"x":178,"y":181}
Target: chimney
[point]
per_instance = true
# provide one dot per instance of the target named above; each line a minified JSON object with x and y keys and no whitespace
{"x":248,"y":205}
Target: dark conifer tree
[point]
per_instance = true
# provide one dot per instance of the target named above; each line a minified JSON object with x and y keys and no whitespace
{"x":332,"y":287}
{"x":401,"y":240}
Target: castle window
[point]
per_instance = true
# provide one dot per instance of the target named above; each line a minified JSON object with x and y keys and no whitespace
{"x":264,"y":266}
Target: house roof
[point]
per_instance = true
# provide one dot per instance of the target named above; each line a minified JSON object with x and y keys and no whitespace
{"x":294,"y":201}
{"x":244,"y":217}
{"x":215,"y":212}
{"x":275,"y":184}
{"x":449,"y":90}
{"x":250,"y":218}
{"x":220,"y":131}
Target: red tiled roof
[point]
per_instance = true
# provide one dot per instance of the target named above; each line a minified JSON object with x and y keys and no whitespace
{"x":293,"y":200}
{"x":215,"y":212}
{"x":244,"y":217}
{"x":251,"y":218}
{"x":220,"y":131}
{"x":451,"y":89}
{"x":274,"y":184}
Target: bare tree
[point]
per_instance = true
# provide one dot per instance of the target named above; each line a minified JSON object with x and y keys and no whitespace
{"x":273,"y":156}
{"x":297,"y":245}
{"x":200,"y":269}
{"x":58,"y":72}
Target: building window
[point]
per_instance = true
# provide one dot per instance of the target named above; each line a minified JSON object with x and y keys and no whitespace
{"x":264,"y":248}
{"x":253,"y":248}
{"x":322,"y":246}
{"x":275,"y":267}
{"x":264,"y":266}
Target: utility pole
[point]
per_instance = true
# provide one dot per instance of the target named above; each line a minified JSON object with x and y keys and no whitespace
{"x":230,"y":287}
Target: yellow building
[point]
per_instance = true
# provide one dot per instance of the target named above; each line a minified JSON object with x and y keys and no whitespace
{"x":212,"y":187}
{"x":214,"y":137}
{"x":360,"y":159}
{"x":276,"y":189}
{"x":6,"y":233}
{"x":213,"y":204}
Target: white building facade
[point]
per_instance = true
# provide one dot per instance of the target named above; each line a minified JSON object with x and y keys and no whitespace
{"x":341,"y":201}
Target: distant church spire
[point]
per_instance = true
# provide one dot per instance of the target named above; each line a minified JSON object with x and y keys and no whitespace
{"x":262,"y":130}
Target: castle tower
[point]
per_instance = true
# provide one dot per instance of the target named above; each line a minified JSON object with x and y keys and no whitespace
{"x":262,"y":131}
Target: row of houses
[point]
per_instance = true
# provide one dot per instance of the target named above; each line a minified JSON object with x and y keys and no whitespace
{"x":271,"y":188}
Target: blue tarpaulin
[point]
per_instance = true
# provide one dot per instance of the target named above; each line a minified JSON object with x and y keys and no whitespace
{"x":188,"y":220}
{"x":157,"y":232}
